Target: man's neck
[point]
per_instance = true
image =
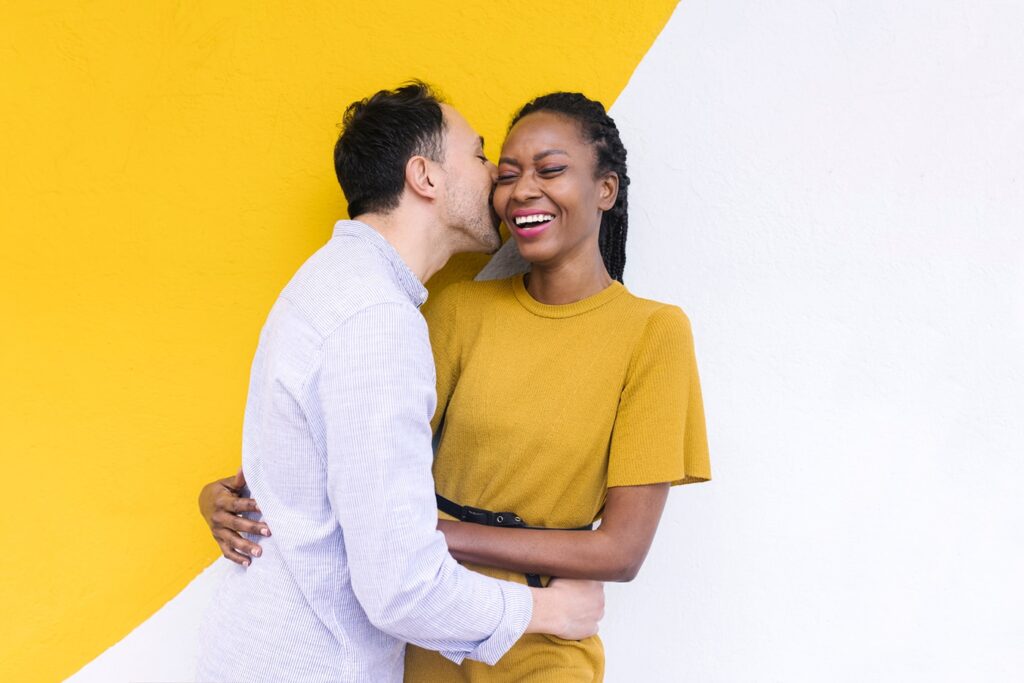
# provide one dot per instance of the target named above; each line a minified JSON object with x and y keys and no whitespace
{"x":421,"y":246}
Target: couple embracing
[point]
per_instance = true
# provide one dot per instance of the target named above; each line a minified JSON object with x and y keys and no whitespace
{"x":420,"y":478}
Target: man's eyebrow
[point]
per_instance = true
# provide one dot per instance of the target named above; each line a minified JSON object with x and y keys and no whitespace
{"x":482,"y":142}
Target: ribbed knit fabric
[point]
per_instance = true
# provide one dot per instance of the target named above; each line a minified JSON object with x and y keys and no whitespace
{"x":545,"y":408}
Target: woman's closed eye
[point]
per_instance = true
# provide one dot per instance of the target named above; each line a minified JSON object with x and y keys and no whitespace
{"x":548,"y":172}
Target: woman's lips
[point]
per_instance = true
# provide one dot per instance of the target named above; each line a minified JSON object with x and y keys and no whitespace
{"x":527,"y":228}
{"x":531,"y":231}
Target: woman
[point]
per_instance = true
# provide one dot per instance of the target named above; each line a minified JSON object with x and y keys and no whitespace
{"x":561,"y":396}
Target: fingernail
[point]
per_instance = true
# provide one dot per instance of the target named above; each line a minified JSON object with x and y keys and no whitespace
{"x":264,"y":532}
{"x":257,"y":552}
{"x":245,"y":563}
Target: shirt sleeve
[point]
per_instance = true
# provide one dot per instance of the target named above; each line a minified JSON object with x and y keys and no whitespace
{"x":442,"y":319}
{"x":375,"y":391}
{"x":659,"y":433}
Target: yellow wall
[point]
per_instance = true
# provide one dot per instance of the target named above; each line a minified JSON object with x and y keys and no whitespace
{"x":165,"y":167}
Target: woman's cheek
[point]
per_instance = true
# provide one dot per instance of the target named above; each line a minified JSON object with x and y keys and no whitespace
{"x":500,"y":201}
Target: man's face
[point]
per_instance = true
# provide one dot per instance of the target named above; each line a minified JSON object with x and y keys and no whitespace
{"x":469,"y":181}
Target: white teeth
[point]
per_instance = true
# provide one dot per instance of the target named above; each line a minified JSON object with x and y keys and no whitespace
{"x":534,"y":218}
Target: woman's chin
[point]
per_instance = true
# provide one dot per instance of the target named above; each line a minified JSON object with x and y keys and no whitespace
{"x":532,"y":252}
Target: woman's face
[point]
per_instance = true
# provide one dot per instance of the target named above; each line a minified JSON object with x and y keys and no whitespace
{"x":547,"y":192}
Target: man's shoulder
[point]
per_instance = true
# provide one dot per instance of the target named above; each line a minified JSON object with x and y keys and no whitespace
{"x":341,"y":279}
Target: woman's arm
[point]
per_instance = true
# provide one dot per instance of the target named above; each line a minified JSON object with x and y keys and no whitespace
{"x":615,"y":551}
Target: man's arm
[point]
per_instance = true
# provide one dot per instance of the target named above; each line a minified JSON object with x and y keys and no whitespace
{"x":615,"y":552}
{"x":568,"y":609}
{"x":372,"y":398}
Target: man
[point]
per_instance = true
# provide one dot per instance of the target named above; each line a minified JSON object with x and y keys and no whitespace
{"x":337,"y":441}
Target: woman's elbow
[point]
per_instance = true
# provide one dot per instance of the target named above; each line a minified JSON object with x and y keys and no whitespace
{"x":620,"y":560}
{"x":629,"y":572}
{"x":625,"y":568}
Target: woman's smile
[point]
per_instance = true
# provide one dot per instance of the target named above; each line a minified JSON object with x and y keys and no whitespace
{"x":531,"y":223}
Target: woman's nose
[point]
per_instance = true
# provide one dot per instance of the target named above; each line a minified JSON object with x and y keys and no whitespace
{"x":525,"y":188}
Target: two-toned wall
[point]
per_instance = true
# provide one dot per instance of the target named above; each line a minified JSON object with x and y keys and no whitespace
{"x":834,"y":192}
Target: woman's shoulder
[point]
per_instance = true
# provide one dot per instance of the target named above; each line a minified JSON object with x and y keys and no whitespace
{"x":657,"y":325}
{"x":658,"y":314}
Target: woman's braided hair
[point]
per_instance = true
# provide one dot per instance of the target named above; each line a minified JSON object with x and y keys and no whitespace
{"x":599,"y":130}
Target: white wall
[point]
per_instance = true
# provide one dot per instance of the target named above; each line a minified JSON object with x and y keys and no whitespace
{"x":834,"y":192}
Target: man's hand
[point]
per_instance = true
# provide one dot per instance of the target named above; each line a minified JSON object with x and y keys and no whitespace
{"x":568,"y":608}
{"x":221,"y":507}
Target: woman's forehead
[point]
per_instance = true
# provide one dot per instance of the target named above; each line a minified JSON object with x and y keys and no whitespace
{"x":544,"y":130}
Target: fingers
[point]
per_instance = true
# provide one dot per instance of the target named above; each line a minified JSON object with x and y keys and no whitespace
{"x":238,"y":481}
{"x":242,"y":525}
{"x":234,"y":555}
{"x":235,"y":505}
{"x":227,"y":500}
{"x":227,"y":523}
{"x":230,"y":540}
{"x":228,"y":511}
{"x":233,"y":525}
{"x":227,"y":528}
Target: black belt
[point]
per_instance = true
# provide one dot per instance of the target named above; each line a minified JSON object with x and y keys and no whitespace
{"x":466,"y":513}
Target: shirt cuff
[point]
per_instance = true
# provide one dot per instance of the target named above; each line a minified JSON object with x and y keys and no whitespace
{"x":518,"y":611}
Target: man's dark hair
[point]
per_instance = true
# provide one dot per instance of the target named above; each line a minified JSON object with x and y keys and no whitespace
{"x":600,"y":131}
{"x":378,"y":137}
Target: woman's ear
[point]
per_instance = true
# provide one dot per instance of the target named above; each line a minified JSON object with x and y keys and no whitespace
{"x":421,"y":177}
{"x":608,"y":192}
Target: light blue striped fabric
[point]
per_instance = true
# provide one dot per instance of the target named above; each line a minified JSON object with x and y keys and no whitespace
{"x":337,"y":451}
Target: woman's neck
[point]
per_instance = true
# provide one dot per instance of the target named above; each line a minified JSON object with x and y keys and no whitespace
{"x":566,"y":283}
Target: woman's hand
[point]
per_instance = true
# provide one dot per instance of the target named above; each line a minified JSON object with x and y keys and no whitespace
{"x":222,"y":507}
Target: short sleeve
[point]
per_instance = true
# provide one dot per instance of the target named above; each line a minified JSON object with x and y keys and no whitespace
{"x":442,"y":321}
{"x":659,"y":433}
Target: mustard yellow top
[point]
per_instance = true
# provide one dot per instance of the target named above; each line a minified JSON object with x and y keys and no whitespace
{"x":546,"y":407}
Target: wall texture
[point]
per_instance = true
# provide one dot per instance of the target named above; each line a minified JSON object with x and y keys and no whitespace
{"x":833,"y":191}
{"x":166,"y":167}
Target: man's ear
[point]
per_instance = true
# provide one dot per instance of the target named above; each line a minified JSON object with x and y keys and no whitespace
{"x":421,"y":177}
{"x":608,"y":192}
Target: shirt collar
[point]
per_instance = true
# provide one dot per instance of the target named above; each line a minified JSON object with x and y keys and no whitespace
{"x":403,"y":274}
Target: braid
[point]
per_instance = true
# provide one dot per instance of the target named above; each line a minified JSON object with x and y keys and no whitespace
{"x":599,"y":129}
